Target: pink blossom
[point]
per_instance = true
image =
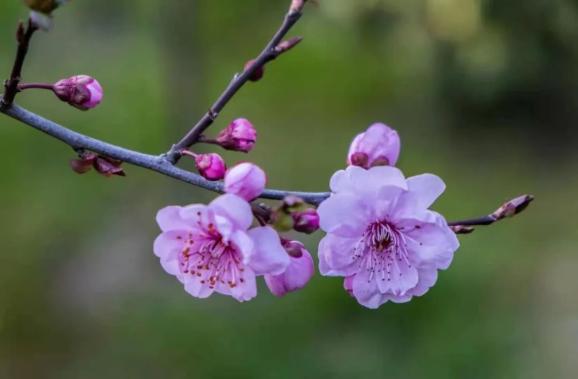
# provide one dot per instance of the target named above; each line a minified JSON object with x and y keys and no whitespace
{"x":245,"y":180}
{"x":240,"y":135}
{"x":81,"y":91}
{"x":306,"y":221}
{"x":297,"y":274}
{"x":211,"y":166}
{"x":377,"y":146}
{"x":209,"y":248}
{"x":381,"y":236}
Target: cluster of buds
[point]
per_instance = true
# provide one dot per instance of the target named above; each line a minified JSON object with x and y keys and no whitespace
{"x":294,"y":214}
{"x":103,"y":165}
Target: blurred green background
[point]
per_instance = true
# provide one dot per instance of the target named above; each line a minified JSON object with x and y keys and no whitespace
{"x":483,"y":92}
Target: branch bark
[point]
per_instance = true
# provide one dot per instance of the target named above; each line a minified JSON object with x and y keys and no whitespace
{"x":269,"y":53}
{"x":157,"y":163}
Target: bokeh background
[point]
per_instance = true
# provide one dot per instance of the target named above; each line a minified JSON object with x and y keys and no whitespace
{"x":483,"y":92}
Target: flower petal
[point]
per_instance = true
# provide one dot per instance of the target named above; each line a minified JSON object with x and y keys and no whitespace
{"x":426,"y":188}
{"x":364,"y":289}
{"x":268,"y":256}
{"x":169,"y":218}
{"x":343,"y":214}
{"x":234,"y":208}
{"x":168,"y":244}
{"x":336,"y":256}
{"x":431,"y":244}
{"x":198,"y":285}
{"x":402,"y":278}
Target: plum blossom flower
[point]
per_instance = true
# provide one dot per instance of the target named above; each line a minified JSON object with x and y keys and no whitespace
{"x":381,"y":236}
{"x":209,"y":248}
{"x":379,"y":145}
{"x":245,"y":180}
{"x":297,"y":274}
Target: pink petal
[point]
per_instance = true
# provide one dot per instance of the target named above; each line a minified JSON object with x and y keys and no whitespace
{"x":244,"y":245}
{"x":168,"y":244}
{"x":343,"y":214}
{"x":427,"y":188}
{"x":245,"y":287}
{"x":198,"y":286}
{"x":234,"y":208}
{"x":336,"y":256}
{"x":169,"y":218}
{"x":402,"y":278}
{"x":269,"y":256}
{"x":432,"y":244}
{"x":365,"y":290}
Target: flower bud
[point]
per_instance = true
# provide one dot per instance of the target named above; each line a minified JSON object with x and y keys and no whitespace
{"x":211,"y":166}
{"x":245,"y":180}
{"x":297,"y":274}
{"x":378,"y":146}
{"x":513,"y":207}
{"x":306,"y":221}
{"x":259,"y":72}
{"x":82,"y":91}
{"x":240,"y":135}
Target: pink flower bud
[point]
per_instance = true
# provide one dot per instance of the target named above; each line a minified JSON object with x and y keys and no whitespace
{"x":306,"y":221}
{"x":297,"y":274}
{"x":211,"y":166}
{"x":378,"y":146}
{"x":103,"y":165}
{"x":245,"y":180}
{"x":240,"y":135}
{"x":82,"y":91}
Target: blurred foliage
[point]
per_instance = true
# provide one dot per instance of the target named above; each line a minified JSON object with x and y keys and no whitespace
{"x":483,"y":92}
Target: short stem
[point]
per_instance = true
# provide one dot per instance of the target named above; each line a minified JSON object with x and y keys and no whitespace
{"x":25,"y":86}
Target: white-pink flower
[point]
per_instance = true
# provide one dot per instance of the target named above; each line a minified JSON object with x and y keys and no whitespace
{"x":381,"y":236}
{"x":379,"y":145}
{"x":210,"y":248}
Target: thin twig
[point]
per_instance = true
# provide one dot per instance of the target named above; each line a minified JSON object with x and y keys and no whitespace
{"x":271,"y":51}
{"x":158,"y":164}
{"x":23,"y":35}
{"x":508,"y":209}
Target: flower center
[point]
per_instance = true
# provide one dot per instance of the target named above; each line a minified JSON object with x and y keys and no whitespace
{"x":382,"y":250}
{"x":213,"y":261}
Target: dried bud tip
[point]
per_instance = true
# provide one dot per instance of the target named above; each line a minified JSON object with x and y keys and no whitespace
{"x":288,"y":44}
{"x":292,"y":203}
{"x":257,"y":74}
{"x":462,"y":229}
{"x":103,"y":165}
{"x":513,"y":207}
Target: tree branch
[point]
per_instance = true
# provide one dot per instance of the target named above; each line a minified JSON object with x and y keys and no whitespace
{"x":269,"y":53}
{"x":23,"y":36}
{"x":158,"y":164}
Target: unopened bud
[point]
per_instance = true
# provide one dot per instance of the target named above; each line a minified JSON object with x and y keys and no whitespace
{"x":41,"y":12}
{"x":300,"y":270}
{"x":378,"y":146}
{"x":258,"y":73}
{"x":306,"y":221}
{"x":513,"y":207}
{"x":245,"y":180}
{"x":297,"y":6}
{"x":211,"y":166}
{"x":240,"y":135}
{"x":293,"y":203}
{"x":81,"y":91}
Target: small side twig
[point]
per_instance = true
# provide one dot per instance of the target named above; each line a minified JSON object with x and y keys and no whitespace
{"x":508,"y":209}
{"x":274,"y":49}
{"x":23,"y":36}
